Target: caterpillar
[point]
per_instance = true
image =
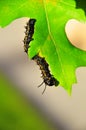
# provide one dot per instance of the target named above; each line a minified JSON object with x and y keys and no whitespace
{"x":48,"y":79}
{"x":29,"y":33}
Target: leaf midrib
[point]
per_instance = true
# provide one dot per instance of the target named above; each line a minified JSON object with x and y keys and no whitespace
{"x":53,"y":40}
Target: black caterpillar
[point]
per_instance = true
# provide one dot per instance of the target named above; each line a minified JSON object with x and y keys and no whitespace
{"x":48,"y":79}
{"x":29,"y":33}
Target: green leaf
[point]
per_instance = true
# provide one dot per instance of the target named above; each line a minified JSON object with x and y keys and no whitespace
{"x":50,"y":39}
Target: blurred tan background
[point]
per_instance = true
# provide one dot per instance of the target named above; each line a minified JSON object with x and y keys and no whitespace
{"x":67,"y":111}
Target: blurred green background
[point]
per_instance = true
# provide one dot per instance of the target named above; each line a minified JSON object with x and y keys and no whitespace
{"x":16,"y":112}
